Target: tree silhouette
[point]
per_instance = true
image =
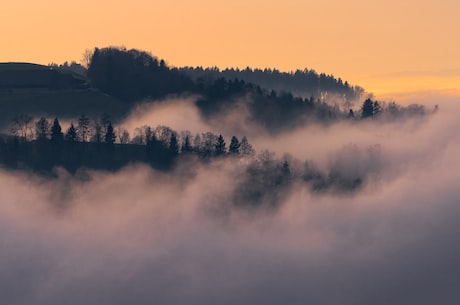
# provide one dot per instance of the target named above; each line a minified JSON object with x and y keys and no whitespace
{"x":56,"y":132}
{"x":220,"y":146}
{"x":110,"y":136}
{"x":286,"y":171}
{"x":234,"y":148}
{"x":173,"y":145}
{"x":71,"y":134}
{"x":97,"y":132}
{"x":22,"y":126}
{"x":246,"y":148}
{"x":83,"y":128}
{"x":186,"y":145}
{"x":123,"y":135}
{"x":377,"y":108}
{"x":351,"y":114}
{"x":42,"y":129}
{"x":367,"y":110}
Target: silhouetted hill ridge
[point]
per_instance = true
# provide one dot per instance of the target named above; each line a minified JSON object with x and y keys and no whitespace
{"x":34,"y":76}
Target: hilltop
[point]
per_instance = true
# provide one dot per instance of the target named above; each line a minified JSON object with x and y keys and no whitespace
{"x":44,"y":90}
{"x":118,"y":79}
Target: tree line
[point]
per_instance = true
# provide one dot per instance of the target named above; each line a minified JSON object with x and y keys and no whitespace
{"x":42,"y":145}
{"x":303,"y":83}
{"x":96,"y":143}
{"x":133,"y":75}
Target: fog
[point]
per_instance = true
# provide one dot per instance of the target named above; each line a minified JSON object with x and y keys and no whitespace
{"x":139,"y":236}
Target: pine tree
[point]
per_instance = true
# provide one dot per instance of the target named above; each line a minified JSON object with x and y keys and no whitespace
{"x":110,"y":134}
{"x":246,"y":148}
{"x":71,"y":134}
{"x":56,"y":132}
{"x":186,"y":145}
{"x":234,"y":148}
{"x":367,"y":110}
{"x":173,"y":145}
{"x":220,"y":146}
{"x":377,"y":108}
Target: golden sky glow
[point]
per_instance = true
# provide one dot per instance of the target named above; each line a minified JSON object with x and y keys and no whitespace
{"x":383,"y":45}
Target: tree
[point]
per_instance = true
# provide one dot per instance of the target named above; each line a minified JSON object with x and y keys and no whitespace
{"x":186,"y":145}
{"x":197,"y":144}
{"x":377,"y":108}
{"x":367,"y":110}
{"x":109,"y":135}
{"x":22,"y":126}
{"x":286,"y":171}
{"x":71,"y":134}
{"x":104,"y":122}
{"x":86,"y":58}
{"x":123,"y":135}
{"x":83,"y":128}
{"x":221,"y":148}
{"x":351,"y":114}
{"x":246,"y":148}
{"x":56,"y":132}
{"x":234,"y":148}
{"x":42,"y":129}
{"x":173,"y":145}
{"x":97,"y":134}
{"x":208,"y":144}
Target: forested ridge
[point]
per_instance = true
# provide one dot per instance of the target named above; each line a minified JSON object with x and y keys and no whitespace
{"x":133,"y":76}
{"x":101,"y":142}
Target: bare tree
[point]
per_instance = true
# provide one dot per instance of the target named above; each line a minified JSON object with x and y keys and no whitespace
{"x":83,"y":128}
{"x":123,"y":135}
{"x":97,"y":132}
{"x":22,"y":126}
{"x":86,"y":59}
{"x":42,"y":129}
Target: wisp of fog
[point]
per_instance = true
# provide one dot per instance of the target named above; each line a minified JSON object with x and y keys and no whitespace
{"x":141,"y":236}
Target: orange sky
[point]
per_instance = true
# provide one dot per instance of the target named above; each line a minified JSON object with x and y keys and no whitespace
{"x":384,"y":45}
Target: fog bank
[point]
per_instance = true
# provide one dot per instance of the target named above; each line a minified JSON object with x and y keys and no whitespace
{"x":140,"y":236}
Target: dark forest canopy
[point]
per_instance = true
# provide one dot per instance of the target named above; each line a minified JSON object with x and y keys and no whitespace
{"x":304,"y":83}
{"x":134,"y":76}
{"x":129,"y":74}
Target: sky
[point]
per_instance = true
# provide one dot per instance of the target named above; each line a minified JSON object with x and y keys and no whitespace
{"x":386,"y":46}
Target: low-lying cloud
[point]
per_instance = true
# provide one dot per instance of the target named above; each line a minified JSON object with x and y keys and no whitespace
{"x":140,"y":236}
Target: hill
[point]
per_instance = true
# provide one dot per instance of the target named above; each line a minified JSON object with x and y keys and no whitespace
{"x":26,"y":76}
{"x":41,"y":90}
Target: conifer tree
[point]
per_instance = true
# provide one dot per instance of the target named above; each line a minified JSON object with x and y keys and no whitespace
{"x":234,"y":147}
{"x":173,"y":145}
{"x":186,"y":145}
{"x":110,"y":134}
{"x":71,"y":134}
{"x":220,"y":146}
{"x":367,"y":110}
{"x":56,"y":132}
{"x":377,"y":108}
{"x":246,"y":148}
